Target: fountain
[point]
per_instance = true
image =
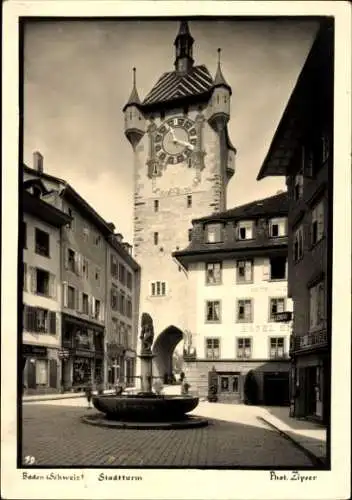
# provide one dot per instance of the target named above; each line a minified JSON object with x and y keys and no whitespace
{"x":146,"y":409}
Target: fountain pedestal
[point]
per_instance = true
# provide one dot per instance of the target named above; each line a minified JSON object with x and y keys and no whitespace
{"x":146,"y":358}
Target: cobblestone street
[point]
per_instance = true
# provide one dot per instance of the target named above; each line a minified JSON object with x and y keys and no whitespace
{"x":54,"y":435}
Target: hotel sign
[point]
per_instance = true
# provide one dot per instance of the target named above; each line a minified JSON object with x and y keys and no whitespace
{"x":283,"y":317}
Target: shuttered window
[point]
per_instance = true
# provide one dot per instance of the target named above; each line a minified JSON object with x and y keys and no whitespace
{"x":244,"y":311}
{"x":38,"y":320}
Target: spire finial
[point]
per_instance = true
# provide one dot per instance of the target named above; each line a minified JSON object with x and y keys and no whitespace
{"x":134,"y":76}
{"x":219,"y":56}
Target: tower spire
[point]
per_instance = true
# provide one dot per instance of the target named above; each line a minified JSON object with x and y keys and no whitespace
{"x":219,"y":80}
{"x":184,"y":48}
{"x":134,"y":97}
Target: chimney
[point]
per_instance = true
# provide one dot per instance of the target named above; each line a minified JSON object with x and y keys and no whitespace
{"x":111,"y":226}
{"x":38,"y":162}
{"x":119,"y":237}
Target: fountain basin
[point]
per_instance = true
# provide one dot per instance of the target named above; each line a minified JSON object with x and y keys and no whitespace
{"x":145,"y":407}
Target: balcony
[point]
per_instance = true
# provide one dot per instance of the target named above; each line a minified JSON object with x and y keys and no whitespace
{"x":308,"y":341}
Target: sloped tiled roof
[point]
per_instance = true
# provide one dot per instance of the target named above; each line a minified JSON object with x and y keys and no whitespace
{"x":173,"y":85}
{"x":271,"y":206}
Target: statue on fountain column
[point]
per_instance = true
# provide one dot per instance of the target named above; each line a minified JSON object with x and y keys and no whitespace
{"x":147,"y":333}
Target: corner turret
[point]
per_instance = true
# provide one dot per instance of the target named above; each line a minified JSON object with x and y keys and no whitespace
{"x":219,"y":109}
{"x":134,"y":119}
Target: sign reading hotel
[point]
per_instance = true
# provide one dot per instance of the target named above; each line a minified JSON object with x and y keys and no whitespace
{"x":283,"y":317}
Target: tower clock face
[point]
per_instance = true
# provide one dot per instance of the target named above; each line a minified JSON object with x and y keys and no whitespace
{"x":175,"y":140}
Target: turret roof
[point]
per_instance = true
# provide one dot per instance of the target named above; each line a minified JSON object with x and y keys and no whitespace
{"x":134,"y":97}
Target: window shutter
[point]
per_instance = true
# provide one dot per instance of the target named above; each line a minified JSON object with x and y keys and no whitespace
{"x":312,"y":309}
{"x":102,"y":311}
{"x":93,"y":307}
{"x":320,"y":219}
{"x":286,"y":269}
{"x":248,"y":310}
{"x":248,"y":270}
{"x":266,"y":270}
{"x":249,"y":231}
{"x":65,"y":250}
{"x":52,"y":286}
{"x":77,"y":262}
{"x":76,"y":299}
{"x":33,"y":273}
{"x":52,"y":322}
{"x":65,"y":294}
{"x":25,"y":317}
{"x":79,"y":301}
{"x":282,"y":228}
{"x":28,"y":279}
{"x":90,"y":305}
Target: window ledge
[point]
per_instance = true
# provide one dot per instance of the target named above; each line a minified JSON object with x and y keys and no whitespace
{"x":244,"y":321}
{"x":251,"y":282}
{"x":213,"y":322}
{"x":277,"y":280}
{"x":214,"y":284}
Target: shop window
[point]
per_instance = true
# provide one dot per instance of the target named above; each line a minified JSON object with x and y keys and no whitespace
{"x":214,"y":233}
{"x":244,"y":271}
{"x":278,"y":268}
{"x":244,"y":348}
{"x":212,"y":348}
{"x":277,"y":228}
{"x":224,"y":384}
{"x":244,"y":230}
{"x":212,"y":311}
{"x":276,"y":305}
{"x":277,"y":347}
{"x":317,"y":305}
{"x":85,"y":303}
{"x":158,"y":288}
{"x":42,"y":243}
{"x":298,"y":244}
{"x":244,"y":311}
{"x":317,"y":228}
{"x":213,"y":273}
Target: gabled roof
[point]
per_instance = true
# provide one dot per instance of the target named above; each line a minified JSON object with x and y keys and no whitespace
{"x":266,"y":207}
{"x":173,"y":85}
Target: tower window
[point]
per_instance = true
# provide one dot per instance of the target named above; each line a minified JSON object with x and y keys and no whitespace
{"x":156,"y":205}
{"x":156,"y":238}
{"x":189,"y":201}
{"x":189,"y":234}
{"x":158,"y":288}
{"x":189,"y":162}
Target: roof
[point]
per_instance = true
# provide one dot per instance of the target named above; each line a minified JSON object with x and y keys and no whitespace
{"x":173,"y":85}
{"x":266,"y":207}
{"x":297,"y":114}
{"x":219,"y":80}
{"x":44,"y":211}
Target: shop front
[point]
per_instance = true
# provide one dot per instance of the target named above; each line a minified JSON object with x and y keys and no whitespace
{"x":84,"y":364}
{"x":40,"y":369}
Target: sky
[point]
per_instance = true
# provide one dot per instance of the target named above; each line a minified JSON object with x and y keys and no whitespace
{"x":78,"y":76}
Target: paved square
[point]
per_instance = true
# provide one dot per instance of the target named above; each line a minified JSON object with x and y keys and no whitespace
{"x":54,"y":435}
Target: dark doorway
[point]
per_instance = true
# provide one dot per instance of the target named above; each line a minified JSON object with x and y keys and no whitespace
{"x":276,"y":389}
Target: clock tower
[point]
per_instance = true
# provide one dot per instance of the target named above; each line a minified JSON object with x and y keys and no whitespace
{"x":183,"y":160}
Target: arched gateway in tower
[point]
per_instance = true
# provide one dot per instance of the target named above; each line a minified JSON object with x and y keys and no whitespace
{"x":183,"y":160}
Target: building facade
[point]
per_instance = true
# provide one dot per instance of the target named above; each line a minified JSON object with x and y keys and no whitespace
{"x":302,"y":151}
{"x":41,"y":234}
{"x":237,"y":275}
{"x":183,"y":160}
{"x":85,"y":262}
{"x":123,"y":278}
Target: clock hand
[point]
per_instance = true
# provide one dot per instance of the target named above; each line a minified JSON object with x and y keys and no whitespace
{"x":186,"y":144}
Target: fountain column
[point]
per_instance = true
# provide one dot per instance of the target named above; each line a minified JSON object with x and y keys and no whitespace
{"x":146,"y":358}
